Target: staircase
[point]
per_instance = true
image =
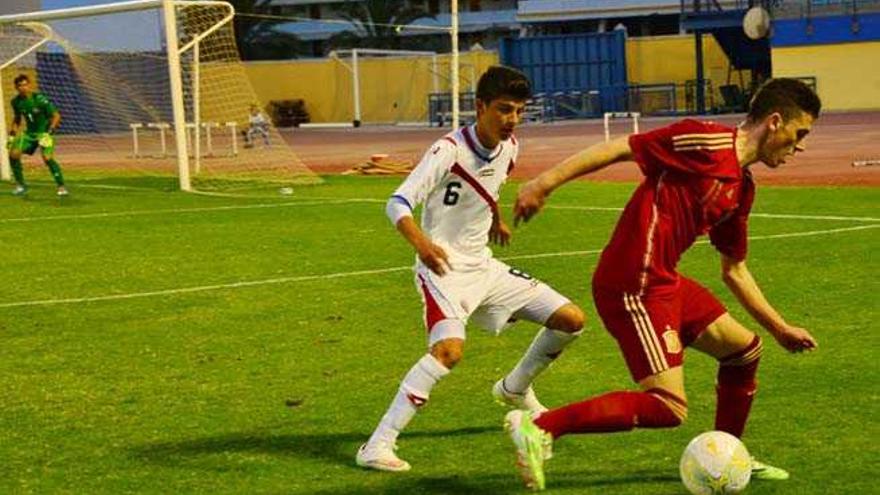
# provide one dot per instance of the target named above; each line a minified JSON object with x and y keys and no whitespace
{"x":723,"y":19}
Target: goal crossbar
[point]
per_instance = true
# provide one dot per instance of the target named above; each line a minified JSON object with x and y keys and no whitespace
{"x":107,"y":8}
{"x":74,"y":12}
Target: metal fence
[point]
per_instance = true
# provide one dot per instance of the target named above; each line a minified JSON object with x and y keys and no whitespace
{"x":667,"y":99}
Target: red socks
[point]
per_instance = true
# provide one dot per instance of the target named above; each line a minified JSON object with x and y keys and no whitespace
{"x":736,"y":388}
{"x":614,"y":411}
{"x":625,"y":410}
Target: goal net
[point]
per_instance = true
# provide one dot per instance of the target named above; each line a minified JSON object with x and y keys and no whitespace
{"x":149,"y":88}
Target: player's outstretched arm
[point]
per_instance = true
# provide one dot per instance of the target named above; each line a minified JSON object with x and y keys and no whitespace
{"x":740,"y":281}
{"x":534,"y":193}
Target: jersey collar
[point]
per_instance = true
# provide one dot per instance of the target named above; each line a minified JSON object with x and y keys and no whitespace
{"x":469,"y":133}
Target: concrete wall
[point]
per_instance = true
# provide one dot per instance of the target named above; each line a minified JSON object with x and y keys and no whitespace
{"x":841,"y":52}
{"x":847,"y":74}
{"x":672,"y":59}
{"x":392,"y":90}
{"x":397,"y":90}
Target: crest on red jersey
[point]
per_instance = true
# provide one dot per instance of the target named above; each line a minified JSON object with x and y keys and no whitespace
{"x":671,"y":340}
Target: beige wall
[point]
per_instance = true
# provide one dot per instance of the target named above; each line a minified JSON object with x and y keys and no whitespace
{"x":392,"y":90}
{"x":847,"y":75}
{"x":659,"y":59}
{"x":672,"y":59}
{"x":397,"y":90}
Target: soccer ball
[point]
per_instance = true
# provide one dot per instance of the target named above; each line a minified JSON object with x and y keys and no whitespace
{"x":715,"y":462}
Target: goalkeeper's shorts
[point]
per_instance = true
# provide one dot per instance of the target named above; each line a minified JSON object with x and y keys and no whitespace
{"x":28,"y":142}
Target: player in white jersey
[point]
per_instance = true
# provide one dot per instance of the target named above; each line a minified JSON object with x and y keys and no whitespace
{"x":257,"y":124}
{"x":458,"y":181}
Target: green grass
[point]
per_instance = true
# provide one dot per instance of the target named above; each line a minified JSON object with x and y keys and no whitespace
{"x":270,"y":388}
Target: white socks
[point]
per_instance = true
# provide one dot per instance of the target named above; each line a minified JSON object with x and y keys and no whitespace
{"x":415,"y":389}
{"x":413,"y":393}
{"x":543,"y":351}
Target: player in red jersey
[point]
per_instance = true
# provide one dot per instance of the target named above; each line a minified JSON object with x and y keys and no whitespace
{"x":697,"y":181}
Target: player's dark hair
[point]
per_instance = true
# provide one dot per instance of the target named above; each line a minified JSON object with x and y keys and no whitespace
{"x":19,"y":78}
{"x":500,"y":81}
{"x":786,"y":96}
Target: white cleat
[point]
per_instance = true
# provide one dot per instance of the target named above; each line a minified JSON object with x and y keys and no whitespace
{"x":380,"y":456}
{"x":62,"y":191}
{"x":526,"y":401}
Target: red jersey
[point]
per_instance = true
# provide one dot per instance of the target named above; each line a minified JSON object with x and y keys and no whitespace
{"x":693,"y":185}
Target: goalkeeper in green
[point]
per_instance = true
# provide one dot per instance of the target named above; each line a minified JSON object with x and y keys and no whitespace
{"x":41,"y":118}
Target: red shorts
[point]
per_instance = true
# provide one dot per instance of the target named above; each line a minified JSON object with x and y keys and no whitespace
{"x":652,"y":331}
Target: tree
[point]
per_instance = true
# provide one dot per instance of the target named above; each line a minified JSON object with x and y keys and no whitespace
{"x":375,"y":24}
{"x":257,"y":38}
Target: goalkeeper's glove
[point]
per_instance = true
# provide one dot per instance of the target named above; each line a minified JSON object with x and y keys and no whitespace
{"x":46,"y":140}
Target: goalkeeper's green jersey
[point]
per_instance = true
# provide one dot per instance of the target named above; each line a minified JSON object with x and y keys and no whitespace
{"x":36,"y":110}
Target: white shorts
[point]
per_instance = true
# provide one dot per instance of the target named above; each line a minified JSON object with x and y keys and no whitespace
{"x":490,"y":295}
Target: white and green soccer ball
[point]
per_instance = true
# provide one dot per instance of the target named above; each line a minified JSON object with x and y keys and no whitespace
{"x":715,"y":462}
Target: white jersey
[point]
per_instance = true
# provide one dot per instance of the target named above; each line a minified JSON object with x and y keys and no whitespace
{"x":459,"y":182}
{"x":257,"y":119}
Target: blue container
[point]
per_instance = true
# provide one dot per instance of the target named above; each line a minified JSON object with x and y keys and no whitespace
{"x":582,"y":62}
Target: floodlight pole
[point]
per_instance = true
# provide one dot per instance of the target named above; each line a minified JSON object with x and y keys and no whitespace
{"x":171,"y":48}
{"x":455,"y":84}
{"x":435,"y":77}
{"x":701,"y":82}
{"x":356,"y":87}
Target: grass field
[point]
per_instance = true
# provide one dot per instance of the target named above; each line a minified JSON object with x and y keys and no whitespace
{"x":160,"y":342}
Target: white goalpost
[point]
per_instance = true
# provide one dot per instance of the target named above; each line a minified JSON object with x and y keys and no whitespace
{"x":354,"y":67}
{"x":44,"y":34}
{"x":363,"y":82}
{"x":453,"y":33}
{"x":123,"y":74}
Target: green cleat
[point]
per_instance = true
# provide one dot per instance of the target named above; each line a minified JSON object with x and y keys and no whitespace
{"x":761,"y":471}
{"x":531,"y":445}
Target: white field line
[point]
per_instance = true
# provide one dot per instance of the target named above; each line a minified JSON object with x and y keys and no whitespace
{"x":186,"y":210}
{"x":378,"y":271}
{"x":813,"y":217}
{"x":781,"y":216}
{"x":319,"y":201}
{"x":115,"y":188}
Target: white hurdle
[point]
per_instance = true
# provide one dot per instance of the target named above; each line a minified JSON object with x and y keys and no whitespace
{"x":209,"y":144}
{"x":620,"y":115}
{"x":191,"y":134}
{"x":135,"y":152}
{"x":161,"y":127}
